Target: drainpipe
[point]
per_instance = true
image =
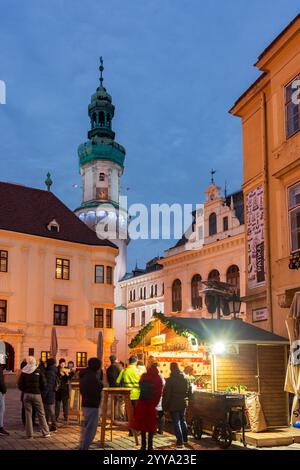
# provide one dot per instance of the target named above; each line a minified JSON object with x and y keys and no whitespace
{"x":266,"y":207}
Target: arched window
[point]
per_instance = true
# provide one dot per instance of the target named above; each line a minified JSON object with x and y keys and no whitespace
{"x":195,"y":292}
{"x":176,"y":296}
{"x":108,"y":120}
{"x":101,"y":176}
{"x":233,"y":278}
{"x":151,"y":292}
{"x":94,"y":120}
{"x":101,"y":118}
{"x":214,"y":275}
{"x":212,"y":224}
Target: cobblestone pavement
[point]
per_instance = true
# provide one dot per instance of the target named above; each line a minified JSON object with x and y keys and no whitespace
{"x":67,"y":436}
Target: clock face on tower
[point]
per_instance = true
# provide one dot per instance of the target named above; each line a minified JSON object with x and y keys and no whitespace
{"x":102,"y":193}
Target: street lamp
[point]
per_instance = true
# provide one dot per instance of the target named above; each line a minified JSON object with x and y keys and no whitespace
{"x":234,"y":304}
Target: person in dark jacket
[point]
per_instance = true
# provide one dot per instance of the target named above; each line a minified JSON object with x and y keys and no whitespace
{"x":176,"y":394}
{"x":23,"y":364}
{"x":90,"y":388}
{"x":33,"y":382}
{"x":3,"y":432}
{"x":49,"y":393}
{"x":113,"y":371}
{"x":63,"y":393}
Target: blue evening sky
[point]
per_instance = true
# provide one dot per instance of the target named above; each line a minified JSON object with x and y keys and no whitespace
{"x":173,"y":68}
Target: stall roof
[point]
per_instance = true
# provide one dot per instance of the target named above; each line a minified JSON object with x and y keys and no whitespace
{"x":236,"y":331}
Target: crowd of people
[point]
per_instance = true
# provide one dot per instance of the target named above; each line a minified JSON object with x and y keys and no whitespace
{"x":45,"y":389}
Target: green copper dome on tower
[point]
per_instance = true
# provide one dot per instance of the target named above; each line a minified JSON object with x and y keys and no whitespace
{"x":101,"y":144}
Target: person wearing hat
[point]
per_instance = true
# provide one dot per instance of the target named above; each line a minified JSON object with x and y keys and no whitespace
{"x":33,"y":382}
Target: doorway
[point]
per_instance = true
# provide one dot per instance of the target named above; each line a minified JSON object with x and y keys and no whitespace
{"x":10,"y":357}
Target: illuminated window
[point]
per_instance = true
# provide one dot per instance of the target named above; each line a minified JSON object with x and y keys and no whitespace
{"x":99,"y":274}
{"x":60,"y":315}
{"x":62,"y":269}
{"x":81,"y":359}
{"x":109,"y":318}
{"x":45,"y":355}
{"x":3,"y":311}
{"x":99,"y":318}
{"x":3,"y":261}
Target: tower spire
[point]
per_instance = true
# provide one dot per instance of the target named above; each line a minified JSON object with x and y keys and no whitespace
{"x":101,"y":68}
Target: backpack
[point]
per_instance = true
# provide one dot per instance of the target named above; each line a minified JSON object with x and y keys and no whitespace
{"x":147,"y":390}
{"x":57,"y":383}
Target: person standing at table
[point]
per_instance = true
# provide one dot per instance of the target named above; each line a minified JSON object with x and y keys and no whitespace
{"x":63,"y":393}
{"x":90,"y":388}
{"x":49,"y":393}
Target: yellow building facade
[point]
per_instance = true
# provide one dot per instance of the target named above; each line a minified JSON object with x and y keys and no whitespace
{"x":54,"y":273}
{"x":270,"y":114}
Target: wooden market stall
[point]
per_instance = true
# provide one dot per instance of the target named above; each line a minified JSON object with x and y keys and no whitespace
{"x":222,"y":356}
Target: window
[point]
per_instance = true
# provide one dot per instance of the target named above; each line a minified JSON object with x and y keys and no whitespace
{"x":30,"y":351}
{"x":151,"y":292}
{"x":132,"y":319}
{"x":109,"y":275}
{"x":214,"y":275}
{"x":130,"y":296}
{"x":45,"y":355}
{"x":145,"y":292}
{"x":225,"y":224}
{"x":292,"y":107}
{"x":62,"y":269}
{"x":141,"y":293}
{"x":176,"y":296}
{"x":60,"y":315}
{"x":101,"y":176}
{"x":81,"y":359}
{"x":294,"y":216}
{"x":195,"y":292}
{"x":108,"y":120}
{"x":163,"y":289}
{"x":133,"y":294}
{"x":233,"y":278}
{"x":212,"y":221}
{"x":155,"y":290}
{"x":109,"y":318}
{"x":3,"y":311}
{"x":143,"y":318}
{"x":3,"y":261}
{"x":101,"y":118}
{"x":53,"y":226}
{"x":99,"y":274}
{"x":99,"y":318}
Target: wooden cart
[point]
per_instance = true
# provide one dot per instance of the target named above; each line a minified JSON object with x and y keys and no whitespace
{"x":217,"y":414}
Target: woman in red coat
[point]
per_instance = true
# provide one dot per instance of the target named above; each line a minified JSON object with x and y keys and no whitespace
{"x":144,"y":416}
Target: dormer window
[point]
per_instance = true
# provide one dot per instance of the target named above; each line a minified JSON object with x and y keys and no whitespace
{"x":101,"y":176}
{"x":53,"y":226}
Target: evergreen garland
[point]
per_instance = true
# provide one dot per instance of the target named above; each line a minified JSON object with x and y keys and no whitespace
{"x":167,"y":321}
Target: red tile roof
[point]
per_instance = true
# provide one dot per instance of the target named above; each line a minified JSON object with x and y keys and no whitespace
{"x":30,"y":210}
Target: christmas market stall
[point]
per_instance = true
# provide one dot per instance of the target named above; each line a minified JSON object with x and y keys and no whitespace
{"x":237,"y":371}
